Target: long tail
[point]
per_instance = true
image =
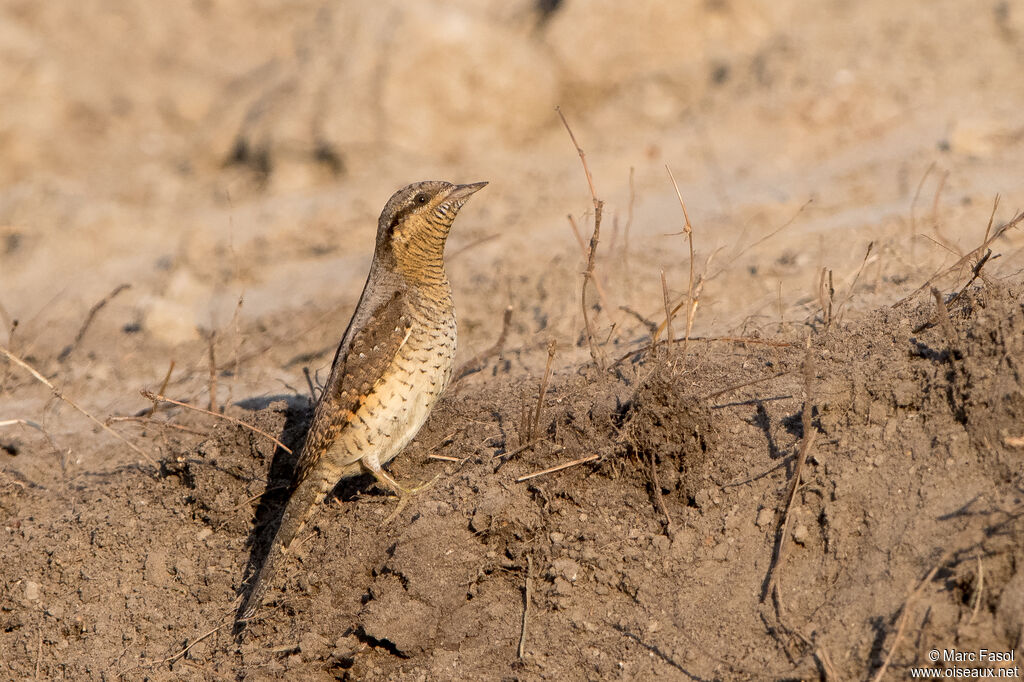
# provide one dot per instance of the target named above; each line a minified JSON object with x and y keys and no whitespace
{"x":307,"y":495}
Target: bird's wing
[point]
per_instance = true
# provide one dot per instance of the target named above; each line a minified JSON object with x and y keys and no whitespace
{"x":370,"y":351}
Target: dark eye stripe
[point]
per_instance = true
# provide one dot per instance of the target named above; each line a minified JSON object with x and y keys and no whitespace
{"x":400,"y":216}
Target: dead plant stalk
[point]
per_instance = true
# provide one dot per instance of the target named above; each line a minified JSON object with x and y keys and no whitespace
{"x":691,"y":302}
{"x":60,"y":395}
{"x":535,"y":422}
{"x":149,"y":395}
{"x":806,"y":443}
{"x":596,"y":354}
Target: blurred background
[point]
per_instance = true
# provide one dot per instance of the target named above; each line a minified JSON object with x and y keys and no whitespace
{"x":228,"y":161}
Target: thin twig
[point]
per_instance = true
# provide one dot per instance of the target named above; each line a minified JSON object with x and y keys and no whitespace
{"x":935,"y":216}
{"x":157,"y":422}
{"x":744,"y":384}
{"x":163,"y":388}
{"x":310,"y":384}
{"x":197,"y":640}
{"x":714,"y":339}
{"x":826,"y":664}
{"x":586,"y":254}
{"x":66,"y":353}
{"x":691,"y":303}
{"x":668,"y":312}
{"x":213,"y":372}
{"x":56,"y":392}
{"x":978,"y":592}
{"x":23,"y":422}
{"x":904,"y":614}
{"x":913,"y":205}
{"x":39,"y":654}
{"x":736,"y":256}
{"x":826,"y":296}
{"x":942,"y":316}
{"x":849,"y":293}
{"x":583,"y":157}
{"x":659,"y":500}
{"x":149,"y":395}
{"x":967,"y":257}
{"x":581,"y":460}
{"x":596,"y":353}
{"x":526,"y":606}
{"x":528,"y":444}
{"x":991,"y":217}
{"x":629,"y":210}
{"x":476,"y":242}
{"x":444,"y":458}
{"x":806,"y":443}
{"x":477,"y":362}
{"x":235,"y":351}
{"x":532,"y":431}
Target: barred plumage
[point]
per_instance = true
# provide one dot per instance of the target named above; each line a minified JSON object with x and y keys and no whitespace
{"x":392,"y":364}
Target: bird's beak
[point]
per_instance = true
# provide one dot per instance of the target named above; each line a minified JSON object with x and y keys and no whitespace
{"x":463,"y":192}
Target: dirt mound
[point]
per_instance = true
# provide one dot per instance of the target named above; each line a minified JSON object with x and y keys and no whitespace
{"x":917,"y":465}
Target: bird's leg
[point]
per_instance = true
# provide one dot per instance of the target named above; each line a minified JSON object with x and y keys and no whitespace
{"x":372,"y":464}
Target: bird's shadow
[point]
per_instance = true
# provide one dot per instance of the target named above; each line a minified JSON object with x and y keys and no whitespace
{"x":280,"y":482}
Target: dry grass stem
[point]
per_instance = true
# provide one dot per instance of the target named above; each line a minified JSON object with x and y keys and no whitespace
{"x":525,"y":446}
{"x":477,"y":362}
{"x":212,"y":342}
{"x":712,"y":339}
{"x":691,"y":302}
{"x":157,"y":422}
{"x":659,"y":500}
{"x":473,"y":244}
{"x":826,"y":296}
{"x":629,"y":211}
{"x":942,"y":316}
{"x":23,"y":422}
{"x":744,"y":384}
{"x":149,"y":395}
{"x":806,"y":443}
{"x":913,"y":206}
{"x":821,"y":653}
{"x":974,"y":254}
{"x":310,"y":385}
{"x":941,"y":238}
{"x":444,"y":458}
{"x":526,"y":606}
{"x":978,"y":592}
{"x":853,"y":285}
{"x":905,"y":613}
{"x":39,"y":653}
{"x":197,"y":640}
{"x":57,"y":393}
{"x":163,"y":388}
{"x":535,"y":421}
{"x":586,"y":255}
{"x":596,"y":353}
{"x":70,"y":348}
{"x":668,"y":312}
{"x":560,"y":467}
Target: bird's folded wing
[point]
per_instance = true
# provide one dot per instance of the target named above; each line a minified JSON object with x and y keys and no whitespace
{"x":355,"y":372}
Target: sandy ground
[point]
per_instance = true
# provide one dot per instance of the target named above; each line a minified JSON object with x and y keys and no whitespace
{"x":227,"y":162}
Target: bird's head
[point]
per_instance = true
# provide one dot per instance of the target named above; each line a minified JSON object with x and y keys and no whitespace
{"x":415,"y":222}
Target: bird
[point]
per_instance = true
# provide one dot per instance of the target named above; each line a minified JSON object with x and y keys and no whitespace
{"x":393,"y":362}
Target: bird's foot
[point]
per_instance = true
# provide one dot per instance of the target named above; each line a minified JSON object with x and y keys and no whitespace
{"x":406,"y":494}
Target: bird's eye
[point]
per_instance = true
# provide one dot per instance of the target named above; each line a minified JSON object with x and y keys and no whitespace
{"x":421,"y":198}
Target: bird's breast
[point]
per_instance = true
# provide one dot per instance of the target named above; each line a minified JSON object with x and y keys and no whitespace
{"x":400,"y":401}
